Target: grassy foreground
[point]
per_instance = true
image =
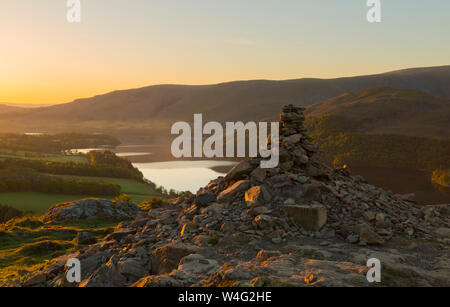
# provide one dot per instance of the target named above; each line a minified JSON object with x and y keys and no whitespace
{"x":26,"y":244}
{"x":40,"y":202}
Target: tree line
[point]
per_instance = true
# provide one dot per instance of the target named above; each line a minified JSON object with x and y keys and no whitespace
{"x":99,"y":167}
{"x":19,"y":180}
{"x":55,"y":143}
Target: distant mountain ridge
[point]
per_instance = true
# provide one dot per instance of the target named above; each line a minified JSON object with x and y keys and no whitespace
{"x":239,"y":100}
{"x":6,"y":109}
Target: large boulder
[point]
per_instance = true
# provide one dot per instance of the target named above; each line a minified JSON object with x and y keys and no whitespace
{"x":228,"y":194}
{"x":243,"y":168}
{"x":88,"y":209}
{"x":166,"y":258}
{"x":204,"y":199}
{"x":257,"y":196}
{"x":310,"y":217}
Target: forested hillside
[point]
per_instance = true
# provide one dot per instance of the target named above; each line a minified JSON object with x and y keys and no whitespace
{"x":341,"y":144}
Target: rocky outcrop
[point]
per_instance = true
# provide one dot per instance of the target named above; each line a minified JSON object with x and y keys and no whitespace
{"x":88,"y":209}
{"x":300,"y":224}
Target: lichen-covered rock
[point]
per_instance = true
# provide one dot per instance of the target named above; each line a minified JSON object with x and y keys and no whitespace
{"x":88,"y":209}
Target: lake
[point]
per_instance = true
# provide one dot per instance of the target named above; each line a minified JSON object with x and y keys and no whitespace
{"x":403,"y":181}
{"x":192,"y":175}
{"x":183,"y":175}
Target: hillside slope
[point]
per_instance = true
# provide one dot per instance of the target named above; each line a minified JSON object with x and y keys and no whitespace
{"x":242,"y":100}
{"x":388,"y":110}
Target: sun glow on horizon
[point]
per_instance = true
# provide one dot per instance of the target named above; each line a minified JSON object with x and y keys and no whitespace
{"x":122,"y":45}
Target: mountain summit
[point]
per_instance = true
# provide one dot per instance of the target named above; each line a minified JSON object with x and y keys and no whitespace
{"x":302,"y":223}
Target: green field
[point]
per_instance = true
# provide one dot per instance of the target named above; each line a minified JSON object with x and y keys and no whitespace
{"x":40,"y":202}
{"x":9,"y":154}
{"x":138,"y":191}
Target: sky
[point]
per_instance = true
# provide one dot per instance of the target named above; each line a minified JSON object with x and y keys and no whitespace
{"x":123,"y":44}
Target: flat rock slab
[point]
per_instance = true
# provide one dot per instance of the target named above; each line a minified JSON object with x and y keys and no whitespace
{"x":310,"y":217}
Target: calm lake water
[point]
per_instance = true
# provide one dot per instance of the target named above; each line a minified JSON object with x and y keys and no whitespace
{"x":405,"y":182}
{"x":192,"y":175}
{"x":182,"y":175}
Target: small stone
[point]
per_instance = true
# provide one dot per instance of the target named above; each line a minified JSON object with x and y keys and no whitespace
{"x":262,"y":222}
{"x":302,"y":179}
{"x":367,"y":236}
{"x":379,"y":217}
{"x":293,"y":139}
{"x":227,"y":227}
{"x":204,"y":199}
{"x":254,"y":196}
{"x":276,"y":240}
{"x":254,"y":211}
{"x":369,"y":216}
{"x":303,"y":159}
{"x":266,"y":254}
{"x":259,"y":174}
{"x":289,"y":202}
{"x":352,"y":238}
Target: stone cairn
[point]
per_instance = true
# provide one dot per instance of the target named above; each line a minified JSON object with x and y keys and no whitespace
{"x":251,"y":208}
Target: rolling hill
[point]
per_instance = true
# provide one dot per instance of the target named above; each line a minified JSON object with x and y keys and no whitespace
{"x":241,"y":100}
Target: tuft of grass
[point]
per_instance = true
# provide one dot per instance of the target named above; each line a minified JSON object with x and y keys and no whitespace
{"x":153,"y":203}
{"x":31,"y":222}
{"x":42,"y":248}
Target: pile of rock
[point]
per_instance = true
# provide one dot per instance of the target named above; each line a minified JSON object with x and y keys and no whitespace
{"x":275,"y":226}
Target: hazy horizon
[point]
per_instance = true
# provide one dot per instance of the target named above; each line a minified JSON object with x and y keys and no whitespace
{"x":36,"y":105}
{"x":123,"y":45}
